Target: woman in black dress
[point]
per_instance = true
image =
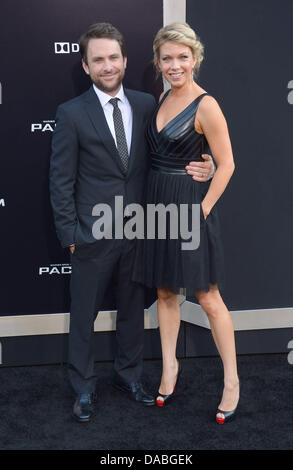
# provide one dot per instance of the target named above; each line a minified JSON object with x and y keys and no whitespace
{"x":186,"y":123}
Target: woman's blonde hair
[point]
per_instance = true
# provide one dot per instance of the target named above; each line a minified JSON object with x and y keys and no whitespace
{"x":180,"y":33}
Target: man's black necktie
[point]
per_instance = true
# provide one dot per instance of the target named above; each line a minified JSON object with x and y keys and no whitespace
{"x":119,"y":132}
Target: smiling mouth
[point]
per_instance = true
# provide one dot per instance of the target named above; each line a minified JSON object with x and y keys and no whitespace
{"x":109,"y":76}
{"x":176,"y":75}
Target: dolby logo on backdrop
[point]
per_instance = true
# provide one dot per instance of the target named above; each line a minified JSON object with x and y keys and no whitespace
{"x":44,"y":126}
{"x":65,"y":47}
{"x":58,"y":269}
{"x":2,"y":202}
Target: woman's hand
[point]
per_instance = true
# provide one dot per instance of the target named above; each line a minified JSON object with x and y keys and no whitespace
{"x":201,"y":171}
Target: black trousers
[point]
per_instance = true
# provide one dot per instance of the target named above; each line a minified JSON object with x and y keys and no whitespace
{"x":92,"y":272}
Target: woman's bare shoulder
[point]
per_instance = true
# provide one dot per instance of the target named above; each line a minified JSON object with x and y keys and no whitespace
{"x":208,"y":105}
{"x":208,"y":102}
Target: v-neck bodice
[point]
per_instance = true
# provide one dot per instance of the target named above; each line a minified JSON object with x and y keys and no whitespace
{"x":177,"y":143}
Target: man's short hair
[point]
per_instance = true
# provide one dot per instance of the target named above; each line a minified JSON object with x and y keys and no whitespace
{"x":101,"y":31}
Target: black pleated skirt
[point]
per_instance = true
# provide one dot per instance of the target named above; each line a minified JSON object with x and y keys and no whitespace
{"x":162,"y":263}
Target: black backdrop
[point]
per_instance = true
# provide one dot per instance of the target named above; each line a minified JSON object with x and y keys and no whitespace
{"x":247,"y":67}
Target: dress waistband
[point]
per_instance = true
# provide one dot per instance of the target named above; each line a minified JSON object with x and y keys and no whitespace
{"x":167,"y":164}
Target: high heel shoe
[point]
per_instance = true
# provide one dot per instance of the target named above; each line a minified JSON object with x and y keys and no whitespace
{"x":228,"y":415}
{"x":166,"y":398}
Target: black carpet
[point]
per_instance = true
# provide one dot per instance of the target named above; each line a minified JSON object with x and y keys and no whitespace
{"x":36,"y":404}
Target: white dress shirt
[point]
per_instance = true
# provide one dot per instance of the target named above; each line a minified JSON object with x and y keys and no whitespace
{"x":125,"y":109}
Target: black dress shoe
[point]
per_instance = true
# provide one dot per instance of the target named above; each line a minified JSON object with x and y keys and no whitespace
{"x":135,"y":391}
{"x":83,"y":407}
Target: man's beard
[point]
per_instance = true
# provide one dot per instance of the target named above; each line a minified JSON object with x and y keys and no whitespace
{"x":101,"y":85}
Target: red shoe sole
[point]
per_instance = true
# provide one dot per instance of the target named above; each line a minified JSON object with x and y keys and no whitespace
{"x":160,"y":402}
{"x":220,"y":420}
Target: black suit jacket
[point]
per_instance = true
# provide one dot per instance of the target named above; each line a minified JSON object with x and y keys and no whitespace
{"x":86,"y":168}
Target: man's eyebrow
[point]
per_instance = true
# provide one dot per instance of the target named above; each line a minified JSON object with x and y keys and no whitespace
{"x":100,"y":57}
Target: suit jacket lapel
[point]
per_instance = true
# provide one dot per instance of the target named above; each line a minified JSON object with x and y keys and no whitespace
{"x":97,"y":116}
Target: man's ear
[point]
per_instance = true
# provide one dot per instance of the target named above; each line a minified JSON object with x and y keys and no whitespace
{"x":125,"y":62}
{"x":85,"y":67}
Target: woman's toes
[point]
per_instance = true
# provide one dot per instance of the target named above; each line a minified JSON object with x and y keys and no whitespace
{"x":160,"y":401}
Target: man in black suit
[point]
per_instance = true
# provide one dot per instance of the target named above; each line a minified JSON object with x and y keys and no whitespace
{"x":99,"y":151}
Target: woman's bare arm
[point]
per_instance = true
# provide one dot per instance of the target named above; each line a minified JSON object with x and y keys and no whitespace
{"x":214,"y":126}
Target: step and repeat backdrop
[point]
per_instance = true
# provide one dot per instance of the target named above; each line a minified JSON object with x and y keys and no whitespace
{"x":41,"y":68}
{"x":247,"y":68}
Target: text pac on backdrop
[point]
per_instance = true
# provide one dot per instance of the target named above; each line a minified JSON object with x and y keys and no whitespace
{"x":41,"y":68}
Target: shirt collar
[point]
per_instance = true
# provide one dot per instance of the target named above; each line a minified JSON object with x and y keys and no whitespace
{"x":104,"y":97}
